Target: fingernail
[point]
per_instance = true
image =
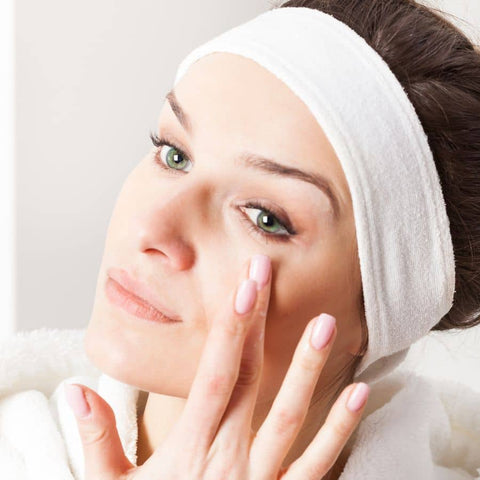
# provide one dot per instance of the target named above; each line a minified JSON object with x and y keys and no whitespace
{"x":76,"y":400}
{"x":246,"y":296}
{"x":322,"y":330}
{"x":259,"y":269}
{"x":358,"y":397}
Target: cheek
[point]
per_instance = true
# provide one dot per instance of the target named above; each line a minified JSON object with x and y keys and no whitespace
{"x":281,"y":338}
{"x":298,"y":295}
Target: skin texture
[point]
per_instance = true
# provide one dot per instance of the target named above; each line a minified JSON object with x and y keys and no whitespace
{"x":185,"y":234}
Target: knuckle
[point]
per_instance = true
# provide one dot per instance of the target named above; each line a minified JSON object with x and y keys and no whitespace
{"x":309,"y":364}
{"x":96,"y":437}
{"x":319,"y":468}
{"x":341,"y":429}
{"x":236,"y":328}
{"x":217,"y":384}
{"x":287,"y":421}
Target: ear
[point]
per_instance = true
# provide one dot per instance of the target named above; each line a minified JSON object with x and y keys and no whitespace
{"x":358,"y":333}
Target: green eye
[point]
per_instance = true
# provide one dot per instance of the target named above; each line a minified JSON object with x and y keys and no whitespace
{"x":272,"y":224}
{"x":266,"y":221}
{"x":173,"y":158}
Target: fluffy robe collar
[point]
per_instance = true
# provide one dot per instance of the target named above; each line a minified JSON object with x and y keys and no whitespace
{"x":413,"y":427}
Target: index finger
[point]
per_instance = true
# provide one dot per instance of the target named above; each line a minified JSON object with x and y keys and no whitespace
{"x":218,"y":369}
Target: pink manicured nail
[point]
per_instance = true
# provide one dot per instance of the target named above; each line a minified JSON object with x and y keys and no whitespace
{"x":76,"y":400}
{"x":259,"y":269}
{"x":358,"y":397}
{"x":322,"y":330}
{"x":246,"y":296}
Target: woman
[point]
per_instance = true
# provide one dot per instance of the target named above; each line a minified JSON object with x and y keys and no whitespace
{"x":205,"y":249}
{"x":200,"y":228}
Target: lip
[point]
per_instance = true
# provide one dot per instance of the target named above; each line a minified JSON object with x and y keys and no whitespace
{"x":134,"y":297}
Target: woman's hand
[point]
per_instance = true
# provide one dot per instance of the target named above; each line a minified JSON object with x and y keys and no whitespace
{"x":213,"y":437}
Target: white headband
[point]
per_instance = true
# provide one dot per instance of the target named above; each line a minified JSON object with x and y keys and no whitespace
{"x":404,"y":243}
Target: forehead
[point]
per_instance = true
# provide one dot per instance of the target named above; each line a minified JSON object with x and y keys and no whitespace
{"x":238,"y":87}
{"x":234,"y":98}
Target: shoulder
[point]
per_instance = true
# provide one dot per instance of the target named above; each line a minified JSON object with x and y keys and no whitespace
{"x":417,"y":427}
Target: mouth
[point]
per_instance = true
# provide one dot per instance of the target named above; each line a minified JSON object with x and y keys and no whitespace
{"x":135,"y":298}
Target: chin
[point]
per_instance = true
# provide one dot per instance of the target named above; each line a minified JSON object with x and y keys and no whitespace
{"x":154,"y":365}
{"x":108,"y":349}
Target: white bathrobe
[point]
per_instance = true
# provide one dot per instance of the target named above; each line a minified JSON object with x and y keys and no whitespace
{"x":413,"y":427}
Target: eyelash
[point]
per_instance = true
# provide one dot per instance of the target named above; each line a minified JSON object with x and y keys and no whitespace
{"x":159,"y":142}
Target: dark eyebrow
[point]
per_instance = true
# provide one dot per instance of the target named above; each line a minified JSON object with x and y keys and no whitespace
{"x":179,"y":112}
{"x":259,"y":162}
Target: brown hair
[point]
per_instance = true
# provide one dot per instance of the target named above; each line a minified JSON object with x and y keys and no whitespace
{"x":439,"y":68}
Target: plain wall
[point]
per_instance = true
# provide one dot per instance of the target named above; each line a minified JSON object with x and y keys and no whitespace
{"x":464,"y":13}
{"x":90,"y":81}
{"x":7,"y":178}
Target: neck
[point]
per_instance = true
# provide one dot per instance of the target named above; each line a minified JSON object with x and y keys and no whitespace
{"x":163,"y":411}
{"x":154,"y":423}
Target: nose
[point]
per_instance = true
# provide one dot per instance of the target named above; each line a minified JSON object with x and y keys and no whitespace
{"x":167,"y":226}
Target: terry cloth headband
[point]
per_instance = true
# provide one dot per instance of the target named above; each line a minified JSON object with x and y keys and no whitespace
{"x":403,"y":237}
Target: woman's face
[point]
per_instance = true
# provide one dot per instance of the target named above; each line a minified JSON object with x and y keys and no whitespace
{"x":184,"y":225}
